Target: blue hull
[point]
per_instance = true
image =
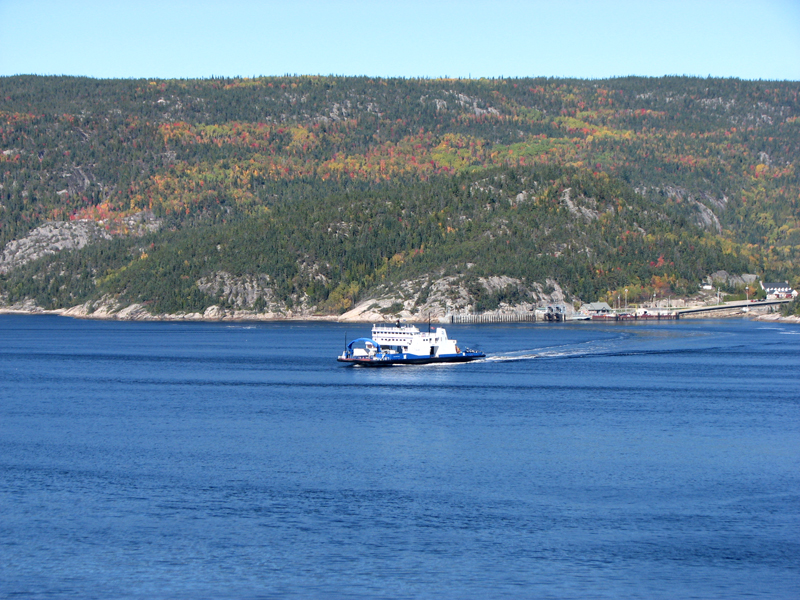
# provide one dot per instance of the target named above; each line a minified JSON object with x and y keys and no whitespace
{"x":410,"y":359}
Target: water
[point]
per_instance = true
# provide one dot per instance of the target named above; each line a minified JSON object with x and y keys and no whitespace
{"x":142,"y":460}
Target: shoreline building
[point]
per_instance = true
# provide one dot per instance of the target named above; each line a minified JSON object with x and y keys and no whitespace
{"x":777,"y":291}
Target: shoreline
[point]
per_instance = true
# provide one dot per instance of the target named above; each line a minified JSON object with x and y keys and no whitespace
{"x":167,"y":318}
{"x":135,"y":313}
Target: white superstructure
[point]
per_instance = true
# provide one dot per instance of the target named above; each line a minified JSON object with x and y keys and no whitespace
{"x":407,"y":339}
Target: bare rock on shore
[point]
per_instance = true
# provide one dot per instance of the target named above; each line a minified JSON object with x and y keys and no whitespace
{"x":26,"y":307}
{"x":133,"y":312}
{"x":428,"y":298}
{"x":250,"y":297}
{"x":242,"y":292}
{"x":777,"y":317}
{"x":437,"y":299}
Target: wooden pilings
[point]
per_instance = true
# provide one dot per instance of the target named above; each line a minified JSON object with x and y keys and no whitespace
{"x":516,"y":317}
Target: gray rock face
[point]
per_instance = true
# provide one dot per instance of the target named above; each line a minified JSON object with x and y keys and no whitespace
{"x":438,"y":298}
{"x":141,"y":223}
{"x":241,"y":292}
{"x":588,"y":214}
{"x":704,"y":215}
{"x":56,"y":236}
{"x":48,"y":239}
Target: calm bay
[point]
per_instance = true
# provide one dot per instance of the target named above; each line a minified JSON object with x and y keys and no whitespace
{"x":219,"y":460}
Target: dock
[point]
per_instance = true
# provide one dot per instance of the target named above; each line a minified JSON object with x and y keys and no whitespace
{"x":513,"y":317}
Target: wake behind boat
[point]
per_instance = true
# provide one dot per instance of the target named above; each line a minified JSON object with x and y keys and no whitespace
{"x":405,"y":345}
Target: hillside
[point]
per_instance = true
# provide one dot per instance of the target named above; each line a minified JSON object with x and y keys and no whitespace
{"x":308,"y":195}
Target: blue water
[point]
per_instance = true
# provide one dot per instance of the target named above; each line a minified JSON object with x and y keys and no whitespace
{"x":158,"y":460}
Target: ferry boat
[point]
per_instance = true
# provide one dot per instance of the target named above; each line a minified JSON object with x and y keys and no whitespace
{"x":405,"y":345}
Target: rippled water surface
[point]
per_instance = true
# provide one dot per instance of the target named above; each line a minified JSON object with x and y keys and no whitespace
{"x":142,"y":460}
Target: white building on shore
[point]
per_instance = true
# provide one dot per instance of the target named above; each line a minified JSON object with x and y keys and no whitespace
{"x":777,"y":291}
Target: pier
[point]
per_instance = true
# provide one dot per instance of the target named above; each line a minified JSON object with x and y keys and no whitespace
{"x":655,"y":316}
{"x":515,"y":317}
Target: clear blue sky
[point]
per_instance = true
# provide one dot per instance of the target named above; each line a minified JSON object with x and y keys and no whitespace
{"x":753,"y":39}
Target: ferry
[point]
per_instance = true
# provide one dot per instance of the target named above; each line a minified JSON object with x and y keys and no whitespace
{"x":405,"y":345}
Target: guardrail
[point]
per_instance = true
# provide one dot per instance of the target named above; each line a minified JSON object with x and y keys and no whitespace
{"x":732,"y":305}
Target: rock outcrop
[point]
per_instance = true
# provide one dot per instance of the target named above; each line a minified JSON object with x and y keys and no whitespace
{"x":436,"y":300}
{"x":253,"y":297}
{"x":55,"y":236}
{"x":246,"y":291}
{"x":50,"y":238}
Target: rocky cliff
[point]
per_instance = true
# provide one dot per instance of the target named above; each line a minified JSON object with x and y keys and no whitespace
{"x":55,"y":236}
{"x":50,"y":238}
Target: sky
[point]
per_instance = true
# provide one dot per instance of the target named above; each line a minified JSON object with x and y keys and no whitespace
{"x":749,"y":39}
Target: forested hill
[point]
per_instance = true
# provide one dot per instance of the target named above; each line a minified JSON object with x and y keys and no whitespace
{"x":311,"y":194}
